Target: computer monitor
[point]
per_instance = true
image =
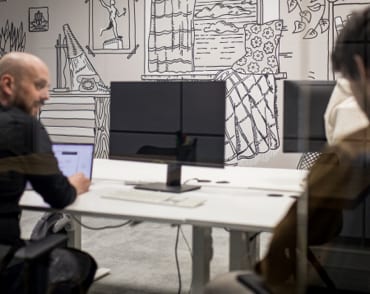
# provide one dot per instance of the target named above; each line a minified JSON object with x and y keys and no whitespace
{"x":305,"y":103}
{"x":172,"y":122}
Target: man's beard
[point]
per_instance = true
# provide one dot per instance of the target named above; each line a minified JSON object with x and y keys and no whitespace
{"x":20,"y":103}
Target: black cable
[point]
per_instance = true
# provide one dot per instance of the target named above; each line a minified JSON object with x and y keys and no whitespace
{"x":191,"y":255}
{"x":100,"y":228}
{"x":177,"y":258}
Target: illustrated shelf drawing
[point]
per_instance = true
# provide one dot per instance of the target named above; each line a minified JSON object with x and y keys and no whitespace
{"x":77,"y":117}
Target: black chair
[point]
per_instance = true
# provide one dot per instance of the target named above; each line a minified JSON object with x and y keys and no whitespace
{"x":33,"y":259}
{"x":306,"y":161}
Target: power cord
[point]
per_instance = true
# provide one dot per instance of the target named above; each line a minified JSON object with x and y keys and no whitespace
{"x":177,"y":258}
{"x":100,"y":228}
{"x":179,"y":230}
{"x":191,"y":254}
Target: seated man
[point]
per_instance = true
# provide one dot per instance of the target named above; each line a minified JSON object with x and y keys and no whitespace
{"x":26,"y":155}
{"x":338,"y":180}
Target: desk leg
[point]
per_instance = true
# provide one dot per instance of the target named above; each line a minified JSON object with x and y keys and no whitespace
{"x":74,"y":241}
{"x":202,"y":255}
{"x":243,"y":252}
{"x":74,"y":234}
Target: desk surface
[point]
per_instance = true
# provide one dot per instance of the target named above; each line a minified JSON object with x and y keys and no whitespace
{"x":241,"y":204}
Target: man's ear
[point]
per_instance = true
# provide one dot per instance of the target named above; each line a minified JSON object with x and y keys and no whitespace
{"x":7,"y":84}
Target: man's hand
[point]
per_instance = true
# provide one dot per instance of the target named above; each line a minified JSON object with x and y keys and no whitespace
{"x":80,"y":182}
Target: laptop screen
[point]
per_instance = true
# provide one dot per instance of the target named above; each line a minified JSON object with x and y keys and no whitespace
{"x":73,"y":158}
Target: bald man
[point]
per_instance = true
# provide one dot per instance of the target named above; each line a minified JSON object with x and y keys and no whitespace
{"x":25,"y":149}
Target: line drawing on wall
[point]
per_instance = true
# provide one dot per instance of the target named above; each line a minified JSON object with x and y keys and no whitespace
{"x":251,"y":123}
{"x":115,"y":32}
{"x":79,"y":109}
{"x":38,"y":19}
{"x":236,"y":40}
{"x":112,"y":24}
{"x":311,"y":20}
{"x":228,"y":41}
{"x":12,"y":38}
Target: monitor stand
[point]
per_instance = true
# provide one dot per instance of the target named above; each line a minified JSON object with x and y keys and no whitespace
{"x":173,"y":183}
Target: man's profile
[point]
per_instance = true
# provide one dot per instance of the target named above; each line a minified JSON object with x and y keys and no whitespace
{"x":26,"y":156}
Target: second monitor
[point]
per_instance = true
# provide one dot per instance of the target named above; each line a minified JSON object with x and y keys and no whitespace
{"x":172,"y":122}
{"x":305,"y":102}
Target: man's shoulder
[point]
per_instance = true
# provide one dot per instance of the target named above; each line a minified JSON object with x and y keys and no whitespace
{"x":16,"y":116}
{"x":20,"y":131}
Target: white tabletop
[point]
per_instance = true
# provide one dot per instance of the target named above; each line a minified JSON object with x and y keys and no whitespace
{"x":241,"y":204}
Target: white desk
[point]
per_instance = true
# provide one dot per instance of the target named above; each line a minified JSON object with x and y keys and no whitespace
{"x":231,"y":205}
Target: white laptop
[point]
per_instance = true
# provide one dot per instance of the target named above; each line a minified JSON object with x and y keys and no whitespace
{"x":73,"y":158}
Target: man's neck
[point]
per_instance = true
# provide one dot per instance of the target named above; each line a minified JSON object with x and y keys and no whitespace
{"x":4,"y":102}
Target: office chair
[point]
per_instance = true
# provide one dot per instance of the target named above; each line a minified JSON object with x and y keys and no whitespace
{"x":34,"y":260}
{"x":306,"y":161}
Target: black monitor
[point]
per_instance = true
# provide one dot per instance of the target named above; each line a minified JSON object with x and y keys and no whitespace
{"x":305,"y":102}
{"x":172,"y":122}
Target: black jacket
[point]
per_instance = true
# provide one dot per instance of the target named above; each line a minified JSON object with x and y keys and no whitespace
{"x":26,"y":155}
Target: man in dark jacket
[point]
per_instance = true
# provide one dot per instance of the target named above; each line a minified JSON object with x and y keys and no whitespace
{"x":25,"y":147}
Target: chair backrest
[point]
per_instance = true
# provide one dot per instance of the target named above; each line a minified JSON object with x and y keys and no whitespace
{"x":25,"y":269}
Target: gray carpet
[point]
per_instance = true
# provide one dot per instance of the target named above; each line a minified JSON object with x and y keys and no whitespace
{"x":142,"y":257}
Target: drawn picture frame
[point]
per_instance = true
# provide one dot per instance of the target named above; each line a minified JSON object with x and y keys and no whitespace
{"x":38,"y":19}
{"x":112,"y":27}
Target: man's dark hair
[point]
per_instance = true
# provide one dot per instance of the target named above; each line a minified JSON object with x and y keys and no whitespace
{"x":353,"y":40}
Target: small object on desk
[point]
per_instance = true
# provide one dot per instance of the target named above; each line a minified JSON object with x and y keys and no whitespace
{"x":203,"y":181}
{"x":222,"y":182}
{"x":274,"y":195}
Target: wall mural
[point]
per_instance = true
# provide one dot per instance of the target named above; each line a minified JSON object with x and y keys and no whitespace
{"x":312,"y":20}
{"x":12,"y":38}
{"x":196,"y":39}
{"x":223,"y":41}
{"x":112,"y":27}
{"x":79,"y":108}
{"x":38,"y":19}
